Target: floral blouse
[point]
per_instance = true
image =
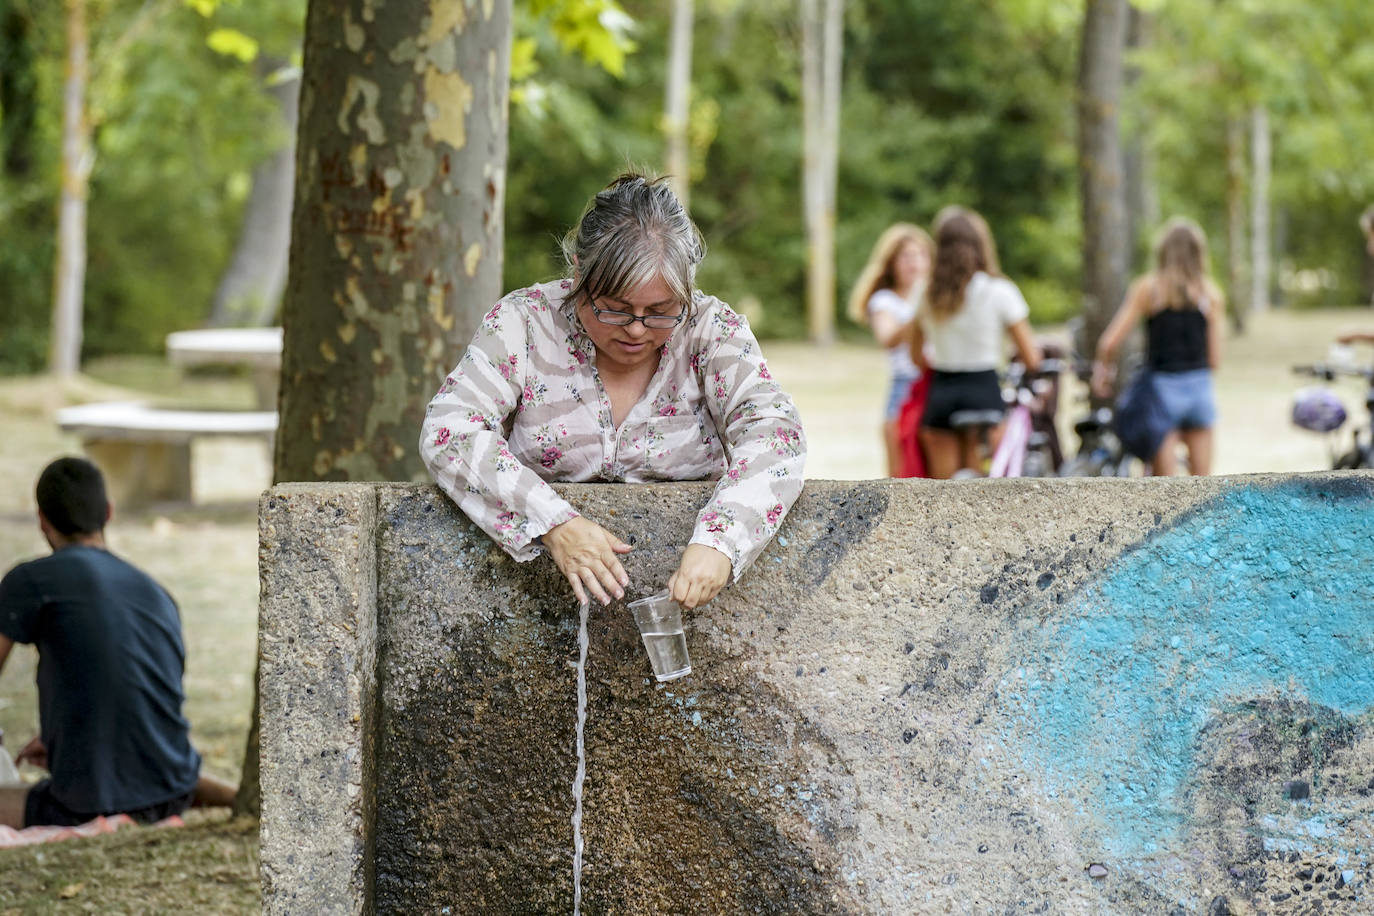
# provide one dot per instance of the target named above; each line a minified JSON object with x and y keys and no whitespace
{"x":526,"y":407}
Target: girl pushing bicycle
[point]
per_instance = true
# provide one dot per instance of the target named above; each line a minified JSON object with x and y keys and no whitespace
{"x":968,"y":309}
{"x":1182,"y":308}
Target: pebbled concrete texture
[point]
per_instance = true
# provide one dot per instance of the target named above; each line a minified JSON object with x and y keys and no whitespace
{"x":317,"y":658}
{"x":1067,"y":696}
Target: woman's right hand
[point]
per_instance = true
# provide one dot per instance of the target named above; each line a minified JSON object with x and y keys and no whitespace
{"x":587,"y":555}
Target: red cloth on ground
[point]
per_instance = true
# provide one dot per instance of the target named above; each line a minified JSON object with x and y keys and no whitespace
{"x":913,"y":460}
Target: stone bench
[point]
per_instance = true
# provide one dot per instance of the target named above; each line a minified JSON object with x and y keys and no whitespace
{"x":987,"y":696}
{"x":145,"y":452}
{"x":257,"y":348}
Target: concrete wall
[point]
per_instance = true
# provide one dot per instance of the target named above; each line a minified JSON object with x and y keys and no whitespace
{"x":1090,"y":696}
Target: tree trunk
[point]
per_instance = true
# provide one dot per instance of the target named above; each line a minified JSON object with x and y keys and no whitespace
{"x":677,"y":100}
{"x":1236,"y":291}
{"x":832,"y":60}
{"x":1100,"y":166}
{"x":1366,"y":222}
{"x":248,"y":797}
{"x":397,"y":227}
{"x":396,"y":232}
{"x":1260,"y":166}
{"x":822,"y":52}
{"x":69,"y":275}
{"x":1142,"y":196}
{"x":250,"y":289}
{"x":1279,"y":247}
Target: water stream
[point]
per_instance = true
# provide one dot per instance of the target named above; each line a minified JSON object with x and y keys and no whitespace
{"x":581,"y":757}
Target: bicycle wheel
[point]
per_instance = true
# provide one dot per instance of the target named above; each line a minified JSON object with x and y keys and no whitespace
{"x":1035,"y":464}
{"x":1090,"y":464}
{"x":1125,"y":466}
{"x":1355,"y":458}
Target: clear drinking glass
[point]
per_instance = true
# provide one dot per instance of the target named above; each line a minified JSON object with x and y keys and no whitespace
{"x":660,"y":625}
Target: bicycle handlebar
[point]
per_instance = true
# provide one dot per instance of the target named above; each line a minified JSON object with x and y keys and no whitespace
{"x":1329,"y":372}
{"x":1048,"y":368}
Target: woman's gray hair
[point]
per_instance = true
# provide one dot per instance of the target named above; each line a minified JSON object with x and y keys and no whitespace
{"x":631,"y":233}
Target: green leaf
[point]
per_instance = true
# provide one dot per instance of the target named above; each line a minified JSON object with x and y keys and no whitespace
{"x":522,"y":62}
{"x":598,"y":30}
{"x":233,"y":43}
{"x":606,"y":51}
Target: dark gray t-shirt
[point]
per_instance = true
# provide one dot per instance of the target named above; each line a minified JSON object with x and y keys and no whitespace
{"x":110,"y":661}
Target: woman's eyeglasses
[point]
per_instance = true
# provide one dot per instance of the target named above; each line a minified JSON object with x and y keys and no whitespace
{"x":620,"y":319}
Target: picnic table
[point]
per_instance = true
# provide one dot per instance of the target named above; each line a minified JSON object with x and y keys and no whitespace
{"x":257,"y":348}
{"x":145,"y":451}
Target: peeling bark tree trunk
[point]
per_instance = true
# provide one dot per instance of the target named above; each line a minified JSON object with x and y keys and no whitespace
{"x":69,"y":274}
{"x":1236,"y":290}
{"x":395,"y":238}
{"x":1100,"y":164}
{"x":822,"y":37}
{"x":249,"y":292}
{"x":397,"y":227}
{"x":677,"y":99}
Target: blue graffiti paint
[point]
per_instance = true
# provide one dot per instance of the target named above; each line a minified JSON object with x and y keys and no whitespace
{"x":1261,"y":592}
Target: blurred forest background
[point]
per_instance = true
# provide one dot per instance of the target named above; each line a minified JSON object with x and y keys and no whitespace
{"x":190,"y":111}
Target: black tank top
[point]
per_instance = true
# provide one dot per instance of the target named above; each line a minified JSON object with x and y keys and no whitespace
{"x":1177,"y":339}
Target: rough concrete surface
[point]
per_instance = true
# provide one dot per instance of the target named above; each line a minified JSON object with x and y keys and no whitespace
{"x":317,"y":675}
{"x":1089,"y":696}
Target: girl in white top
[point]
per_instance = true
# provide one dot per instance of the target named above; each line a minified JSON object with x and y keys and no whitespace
{"x":958,"y":334}
{"x":884,"y":298}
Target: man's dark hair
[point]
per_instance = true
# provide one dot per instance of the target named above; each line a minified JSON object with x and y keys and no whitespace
{"x":71,"y":496}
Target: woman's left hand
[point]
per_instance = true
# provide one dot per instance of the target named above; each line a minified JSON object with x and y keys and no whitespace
{"x":699,"y":577}
{"x":1102,"y":378}
{"x":34,"y":753}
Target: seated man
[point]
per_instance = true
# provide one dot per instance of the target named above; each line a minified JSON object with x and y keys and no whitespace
{"x":110,"y":663}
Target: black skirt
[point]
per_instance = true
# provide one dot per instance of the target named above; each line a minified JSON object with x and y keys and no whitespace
{"x":951,"y":392}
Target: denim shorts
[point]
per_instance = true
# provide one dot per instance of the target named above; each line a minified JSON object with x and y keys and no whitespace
{"x":896,"y":394}
{"x":1187,"y":397}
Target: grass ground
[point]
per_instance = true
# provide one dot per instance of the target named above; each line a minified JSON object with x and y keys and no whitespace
{"x":206,"y":555}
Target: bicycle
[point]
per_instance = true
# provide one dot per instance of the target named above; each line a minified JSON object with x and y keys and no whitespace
{"x":1030,"y":442}
{"x":1328,"y":416}
{"x":1100,"y":452}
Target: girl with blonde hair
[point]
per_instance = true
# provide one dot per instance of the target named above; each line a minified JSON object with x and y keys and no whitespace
{"x":1182,"y":308}
{"x":884,"y":298}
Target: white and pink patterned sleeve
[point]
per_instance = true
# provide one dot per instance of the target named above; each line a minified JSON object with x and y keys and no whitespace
{"x":761,"y":430}
{"x":462,"y":443}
